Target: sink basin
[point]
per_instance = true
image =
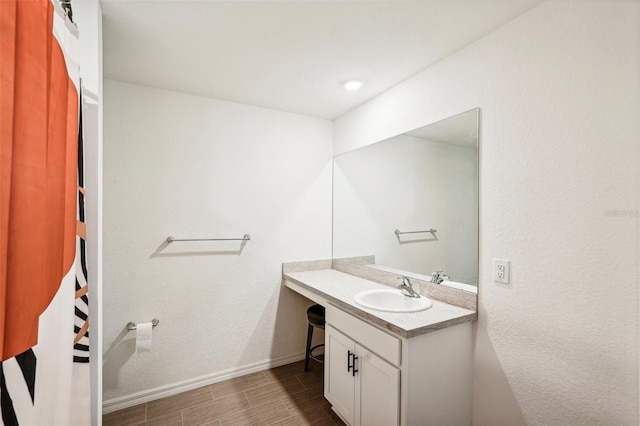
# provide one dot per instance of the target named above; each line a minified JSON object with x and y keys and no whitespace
{"x":391,"y":300}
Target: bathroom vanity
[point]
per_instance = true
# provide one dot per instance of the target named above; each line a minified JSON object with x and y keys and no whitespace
{"x":401,"y":368}
{"x":389,"y":368}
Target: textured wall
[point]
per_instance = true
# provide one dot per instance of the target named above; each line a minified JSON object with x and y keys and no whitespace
{"x":558,"y":88}
{"x":187,"y":166}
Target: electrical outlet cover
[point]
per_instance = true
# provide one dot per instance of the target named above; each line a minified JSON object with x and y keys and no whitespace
{"x":501,"y":271}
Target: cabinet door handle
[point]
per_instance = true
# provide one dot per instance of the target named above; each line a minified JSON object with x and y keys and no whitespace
{"x":354,"y":371}
{"x":349,"y":355}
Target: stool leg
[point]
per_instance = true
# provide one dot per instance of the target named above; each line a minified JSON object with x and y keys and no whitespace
{"x":308,"y":352}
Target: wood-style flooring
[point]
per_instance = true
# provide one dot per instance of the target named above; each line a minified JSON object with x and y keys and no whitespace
{"x":281,"y":396}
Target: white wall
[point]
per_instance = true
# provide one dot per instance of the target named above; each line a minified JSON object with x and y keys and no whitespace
{"x":193,"y":167}
{"x":87,"y":15}
{"x":410,"y":184}
{"x":558,"y":88}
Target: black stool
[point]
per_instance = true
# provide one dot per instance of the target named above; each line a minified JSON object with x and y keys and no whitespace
{"x":315,"y":314}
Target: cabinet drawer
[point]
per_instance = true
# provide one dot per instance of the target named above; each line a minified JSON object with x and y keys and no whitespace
{"x":383,"y":344}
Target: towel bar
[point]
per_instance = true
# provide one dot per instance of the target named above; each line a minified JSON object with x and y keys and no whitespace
{"x":398,"y":232}
{"x":246,"y":237}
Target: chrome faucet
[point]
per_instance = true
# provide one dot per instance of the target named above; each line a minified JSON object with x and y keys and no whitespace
{"x":407,"y":288}
{"x":438,"y":277}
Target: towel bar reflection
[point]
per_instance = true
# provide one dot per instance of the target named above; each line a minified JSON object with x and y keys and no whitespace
{"x":133,"y":326}
{"x":246,"y":237}
{"x":398,"y":232}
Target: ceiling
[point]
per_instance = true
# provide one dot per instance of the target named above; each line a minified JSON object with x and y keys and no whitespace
{"x":289,"y":55}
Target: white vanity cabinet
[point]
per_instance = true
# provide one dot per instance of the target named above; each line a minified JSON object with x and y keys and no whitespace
{"x":375,"y":378}
{"x":413,"y":369}
{"x":362,"y":374}
{"x":362,"y":387}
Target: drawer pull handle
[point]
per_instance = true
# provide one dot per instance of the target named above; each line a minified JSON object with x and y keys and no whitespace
{"x":349,"y":355}
{"x":354,"y":370}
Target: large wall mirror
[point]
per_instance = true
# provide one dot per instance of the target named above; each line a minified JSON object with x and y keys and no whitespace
{"x":409,"y":204}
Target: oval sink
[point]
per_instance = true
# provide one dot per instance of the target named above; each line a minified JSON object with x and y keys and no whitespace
{"x":391,"y":300}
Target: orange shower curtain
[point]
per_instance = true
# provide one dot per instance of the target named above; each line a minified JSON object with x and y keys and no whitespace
{"x":38,"y":163}
{"x":38,"y":191}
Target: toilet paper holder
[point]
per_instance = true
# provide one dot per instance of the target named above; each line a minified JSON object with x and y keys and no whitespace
{"x":133,"y":326}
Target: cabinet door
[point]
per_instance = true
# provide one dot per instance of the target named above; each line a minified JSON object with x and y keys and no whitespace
{"x":339,"y":383}
{"x":377,"y":390}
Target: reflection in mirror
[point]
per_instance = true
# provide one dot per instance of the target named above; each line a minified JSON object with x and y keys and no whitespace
{"x":409,"y":204}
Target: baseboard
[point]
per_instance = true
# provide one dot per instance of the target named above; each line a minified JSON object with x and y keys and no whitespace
{"x":142,"y":397}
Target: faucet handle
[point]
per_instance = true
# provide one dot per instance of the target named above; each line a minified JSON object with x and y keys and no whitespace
{"x":407,"y":288}
{"x":405,"y":280}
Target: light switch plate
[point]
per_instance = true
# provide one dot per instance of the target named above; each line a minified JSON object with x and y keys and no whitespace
{"x":501,"y":271}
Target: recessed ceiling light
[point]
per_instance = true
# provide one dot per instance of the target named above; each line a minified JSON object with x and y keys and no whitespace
{"x":352,"y":84}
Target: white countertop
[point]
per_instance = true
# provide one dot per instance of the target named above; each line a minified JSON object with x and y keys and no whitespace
{"x":339,"y":288}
